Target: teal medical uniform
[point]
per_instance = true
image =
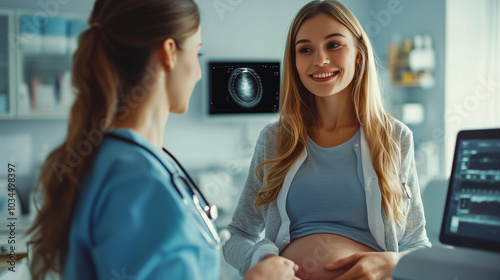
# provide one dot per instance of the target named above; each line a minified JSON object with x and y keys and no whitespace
{"x":130,"y":222}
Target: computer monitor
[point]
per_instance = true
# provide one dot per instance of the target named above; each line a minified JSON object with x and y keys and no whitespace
{"x":243,"y":89}
{"x":472,"y":210}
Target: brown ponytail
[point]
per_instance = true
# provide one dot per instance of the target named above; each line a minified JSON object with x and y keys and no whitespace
{"x":112,"y":57}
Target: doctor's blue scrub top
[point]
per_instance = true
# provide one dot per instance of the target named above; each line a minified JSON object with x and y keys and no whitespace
{"x":130,"y":222}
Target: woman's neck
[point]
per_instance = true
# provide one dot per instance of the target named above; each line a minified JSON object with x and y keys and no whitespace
{"x":335,"y":120}
{"x":147,"y":117}
{"x":334,"y":112}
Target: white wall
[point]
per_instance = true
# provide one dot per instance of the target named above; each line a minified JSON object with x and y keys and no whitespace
{"x":473,"y":68}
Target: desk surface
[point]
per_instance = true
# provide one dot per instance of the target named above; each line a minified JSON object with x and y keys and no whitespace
{"x":21,"y":270}
{"x":448,"y":263}
{"x":5,"y":258}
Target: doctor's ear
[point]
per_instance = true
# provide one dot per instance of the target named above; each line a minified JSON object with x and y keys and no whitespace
{"x":169,"y":51}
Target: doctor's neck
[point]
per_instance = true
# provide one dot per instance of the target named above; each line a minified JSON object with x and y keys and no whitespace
{"x":147,"y":117}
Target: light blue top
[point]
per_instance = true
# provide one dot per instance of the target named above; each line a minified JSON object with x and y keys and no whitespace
{"x":131,"y":223}
{"x":327,"y":194}
{"x":257,"y":234}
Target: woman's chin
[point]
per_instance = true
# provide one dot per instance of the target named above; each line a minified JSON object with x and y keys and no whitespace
{"x":179,"y":111}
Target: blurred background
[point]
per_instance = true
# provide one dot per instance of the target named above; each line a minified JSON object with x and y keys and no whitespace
{"x":439,"y":64}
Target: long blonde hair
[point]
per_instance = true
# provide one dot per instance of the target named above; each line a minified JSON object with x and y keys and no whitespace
{"x":112,"y":58}
{"x":297,"y":110}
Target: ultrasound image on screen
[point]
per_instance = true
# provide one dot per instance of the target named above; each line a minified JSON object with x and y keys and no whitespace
{"x":474,"y":209}
{"x":249,"y":87}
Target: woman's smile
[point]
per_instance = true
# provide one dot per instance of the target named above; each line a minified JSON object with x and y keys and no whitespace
{"x":324,"y":75}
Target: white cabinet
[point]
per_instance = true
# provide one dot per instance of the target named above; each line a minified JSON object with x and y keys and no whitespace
{"x":39,"y":57}
{"x":6,"y":60}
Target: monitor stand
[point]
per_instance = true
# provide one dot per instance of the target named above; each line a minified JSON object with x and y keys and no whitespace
{"x":448,"y":264}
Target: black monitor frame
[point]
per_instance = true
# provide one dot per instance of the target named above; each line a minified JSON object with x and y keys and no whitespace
{"x":241,"y":111}
{"x":454,"y":239}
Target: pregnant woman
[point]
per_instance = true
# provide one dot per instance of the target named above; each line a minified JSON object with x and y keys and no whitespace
{"x":333,"y":183}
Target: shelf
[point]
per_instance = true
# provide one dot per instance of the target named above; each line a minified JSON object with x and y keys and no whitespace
{"x":403,"y":69}
{"x":401,"y":84}
{"x":402,"y":63}
{"x":39,"y":116}
{"x":46,"y":57}
{"x":46,"y":64}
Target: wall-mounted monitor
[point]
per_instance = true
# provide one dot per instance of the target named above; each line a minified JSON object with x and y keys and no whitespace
{"x":239,"y":89}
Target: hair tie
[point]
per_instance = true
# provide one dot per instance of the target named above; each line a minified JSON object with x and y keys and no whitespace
{"x":96,"y":24}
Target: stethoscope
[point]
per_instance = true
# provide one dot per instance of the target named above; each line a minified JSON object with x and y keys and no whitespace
{"x":208,"y":213}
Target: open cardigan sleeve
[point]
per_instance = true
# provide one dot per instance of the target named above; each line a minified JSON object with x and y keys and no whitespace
{"x":245,"y":247}
{"x":415,"y":235}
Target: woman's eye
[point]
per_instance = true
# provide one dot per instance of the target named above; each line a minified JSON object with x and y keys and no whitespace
{"x":333,"y":45}
{"x":304,"y":50}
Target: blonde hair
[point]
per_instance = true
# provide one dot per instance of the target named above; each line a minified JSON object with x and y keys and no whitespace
{"x":297,"y":109}
{"x":111,"y":60}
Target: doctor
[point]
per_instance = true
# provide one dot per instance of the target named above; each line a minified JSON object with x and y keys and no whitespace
{"x":115,"y":206}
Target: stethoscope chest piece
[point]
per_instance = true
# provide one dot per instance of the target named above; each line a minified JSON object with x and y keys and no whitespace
{"x":210,"y":210}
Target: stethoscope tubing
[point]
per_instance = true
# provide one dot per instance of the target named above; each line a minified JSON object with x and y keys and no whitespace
{"x":206,"y":214}
{"x":112,"y":135}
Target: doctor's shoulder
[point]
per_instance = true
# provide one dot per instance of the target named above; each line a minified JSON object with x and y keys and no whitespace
{"x":116,"y":156}
{"x":124,"y":171}
{"x":122,"y":166}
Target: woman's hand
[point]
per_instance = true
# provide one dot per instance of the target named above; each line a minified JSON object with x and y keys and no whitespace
{"x":367,"y":266}
{"x":273,"y":267}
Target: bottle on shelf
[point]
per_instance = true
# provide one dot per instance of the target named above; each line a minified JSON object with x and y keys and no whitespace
{"x":4,"y":106}
{"x":412,"y":62}
{"x":30,"y":34}
{"x":74,"y":29}
{"x":54,"y":36}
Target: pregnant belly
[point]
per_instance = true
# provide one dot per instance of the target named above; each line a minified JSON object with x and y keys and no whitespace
{"x":313,"y":252}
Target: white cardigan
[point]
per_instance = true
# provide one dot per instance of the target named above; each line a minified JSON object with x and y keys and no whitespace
{"x":245,"y":248}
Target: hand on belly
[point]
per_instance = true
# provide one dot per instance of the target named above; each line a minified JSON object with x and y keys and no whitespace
{"x":313,"y":252}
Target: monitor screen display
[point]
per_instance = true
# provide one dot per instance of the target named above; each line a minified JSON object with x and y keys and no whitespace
{"x":243,"y":87}
{"x":472,"y":212}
